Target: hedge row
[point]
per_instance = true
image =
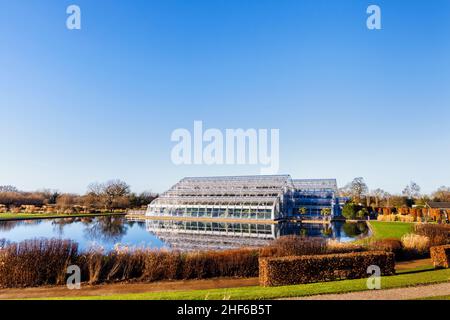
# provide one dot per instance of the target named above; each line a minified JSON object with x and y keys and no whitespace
{"x":42,"y":262}
{"x":440,"y":256}
{"x":306,"y":269}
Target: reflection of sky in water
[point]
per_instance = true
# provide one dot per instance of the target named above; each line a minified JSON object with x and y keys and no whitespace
{"x":106,"y":232}
{"x":98,"y":232}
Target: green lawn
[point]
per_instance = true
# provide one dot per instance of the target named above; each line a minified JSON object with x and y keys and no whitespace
{"x":436,"y":298}
{"x":383,"y":230}
{"x":26,"y":216}
{"x":257,"y":293}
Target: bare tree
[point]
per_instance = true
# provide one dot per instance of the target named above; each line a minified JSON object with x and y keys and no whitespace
{"x":116,"y":192}
{"x":412,"y":191}
{"x":378,"y":195}
{"x":442,"y":194}
{"x":8,"y":189}
{"x":357,"y":189}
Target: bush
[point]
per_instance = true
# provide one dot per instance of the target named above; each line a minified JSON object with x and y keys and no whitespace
{"x":334,"y":246}
{"x":306,"y":269}
{"x":362,"y":214}
{"x":301,"y":246}
{"x":230,"y":263}
{"x":161,"y":265}
{"x":36,"y":262}
{"x":389,"y":245}
{"x":45,"y":262}
{"x":294,"y":246}
{"x":438,"y":234}
{"x":440,"y":256}
{"x":416,"y":245}
{"x":350,"y":210}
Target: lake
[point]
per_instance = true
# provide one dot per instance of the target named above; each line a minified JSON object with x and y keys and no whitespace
{"x":107,"y":232}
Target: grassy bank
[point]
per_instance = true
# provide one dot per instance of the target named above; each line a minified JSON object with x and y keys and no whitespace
{"x":258,"y":293}
{"x":391,"y":230}
{"x":436,"y":298}
{"x":31,"y":216}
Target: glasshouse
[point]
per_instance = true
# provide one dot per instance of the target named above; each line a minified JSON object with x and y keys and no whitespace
{"x":246,"y":197}
{"x":315,"y":197}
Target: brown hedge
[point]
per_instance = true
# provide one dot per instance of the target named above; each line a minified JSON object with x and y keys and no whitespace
{"x":306,"y":269}
{"x":40,"y":262}
{"x":440,"y":256}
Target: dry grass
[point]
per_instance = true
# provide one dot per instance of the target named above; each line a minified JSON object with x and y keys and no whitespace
{"x":45,"y":262}
{"x":36,"y":262}
{"x":416,"y":244}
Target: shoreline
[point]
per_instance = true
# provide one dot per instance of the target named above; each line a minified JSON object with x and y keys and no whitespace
{"x":232,"y":220}
{"x":196,"y":219}
{"x":39,"y":216}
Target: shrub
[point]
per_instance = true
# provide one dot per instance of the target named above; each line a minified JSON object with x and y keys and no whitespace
{"x":300,"y":246}
{"x":161,"y":265}
{"x":230,"y":263}
{"x":389,"y":245}
{"x":362,"y":213}
{"x":306,"y":269}
{"x":350,"y":210}
{"x":440,"y":256}
{"x":334,"y":246}
{"x":294,"y":246}
{"x":36,"y":262}
{"x":124,"y":264}
{"x":438,"y":234}
{"x":92,"y":264}
{"x":45,"y":262}
{"x":415,"y":244}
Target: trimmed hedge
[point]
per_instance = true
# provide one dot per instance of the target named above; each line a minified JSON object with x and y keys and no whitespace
{"x":441,"y":256}
{"x":307,"y":269}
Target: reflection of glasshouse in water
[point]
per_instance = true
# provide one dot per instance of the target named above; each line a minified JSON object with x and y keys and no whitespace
{"x":188,"y":235}
{"x":246,"y":197}
{"x":251,"y":230}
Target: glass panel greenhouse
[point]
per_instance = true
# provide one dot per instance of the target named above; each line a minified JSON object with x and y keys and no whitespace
{"x":246,"y":197}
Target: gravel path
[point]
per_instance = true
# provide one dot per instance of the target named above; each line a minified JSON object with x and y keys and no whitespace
{"x":426,"y":291}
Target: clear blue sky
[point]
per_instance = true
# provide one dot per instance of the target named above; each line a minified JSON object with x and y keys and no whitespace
{"x":101,"y":103}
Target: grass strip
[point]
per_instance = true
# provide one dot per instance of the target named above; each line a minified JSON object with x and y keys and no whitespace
{"x":259,"y":293}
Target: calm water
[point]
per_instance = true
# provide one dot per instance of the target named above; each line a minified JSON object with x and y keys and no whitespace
{"x":107,"y":232}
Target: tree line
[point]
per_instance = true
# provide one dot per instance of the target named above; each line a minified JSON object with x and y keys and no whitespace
{"x":364,"y":202}
{"x":359,"y":192}
{"x":110,"y":195}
